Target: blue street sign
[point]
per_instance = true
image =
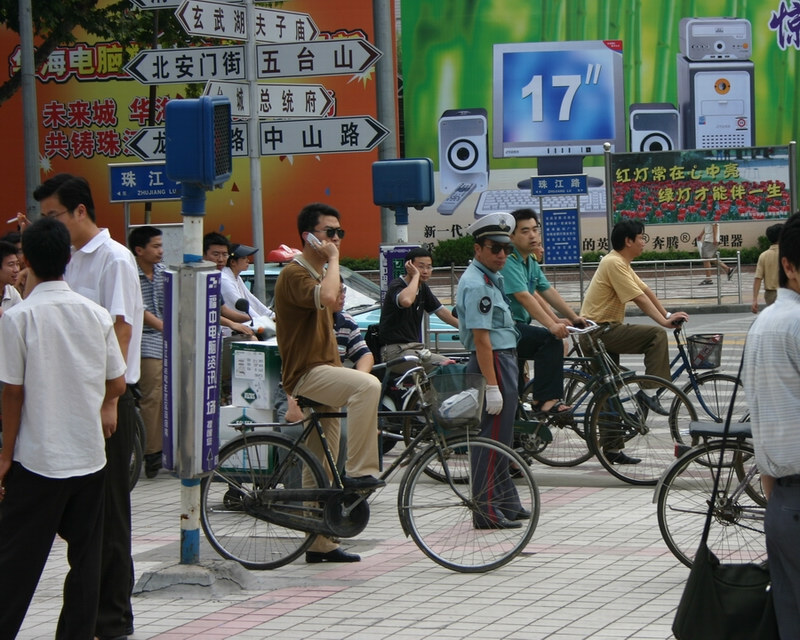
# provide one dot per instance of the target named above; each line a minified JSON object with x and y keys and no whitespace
{"x":142,"y":182}
{"x":561,"y":231}
{"x":559,"y":185}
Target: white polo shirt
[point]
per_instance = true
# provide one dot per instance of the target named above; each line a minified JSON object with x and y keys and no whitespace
{"x":105,"y":271}
{"x":61,"y":348}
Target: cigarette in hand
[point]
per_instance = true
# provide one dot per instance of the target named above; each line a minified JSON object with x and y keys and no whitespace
{"x":14,"y":219}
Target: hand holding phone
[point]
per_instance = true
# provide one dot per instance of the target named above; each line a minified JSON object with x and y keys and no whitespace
{"x":315,"y":242}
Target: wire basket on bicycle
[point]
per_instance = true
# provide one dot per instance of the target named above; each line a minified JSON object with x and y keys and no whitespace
{"x":457,"y":401}
{"x":705,"y":350}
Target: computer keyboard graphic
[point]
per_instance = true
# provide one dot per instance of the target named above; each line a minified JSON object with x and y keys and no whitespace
{"x":510,"y":199}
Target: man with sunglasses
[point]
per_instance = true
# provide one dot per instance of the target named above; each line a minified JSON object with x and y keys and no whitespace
{"x":306,"y":295}
{"x":488,"y":331}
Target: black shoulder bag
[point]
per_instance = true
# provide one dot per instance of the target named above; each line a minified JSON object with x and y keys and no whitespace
{"x":725,"y":601}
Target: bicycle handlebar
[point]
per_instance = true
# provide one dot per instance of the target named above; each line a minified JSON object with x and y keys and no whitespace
{"x":590,"y":326}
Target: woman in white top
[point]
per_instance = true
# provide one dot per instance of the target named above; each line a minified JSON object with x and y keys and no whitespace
{"x":233,"y":287}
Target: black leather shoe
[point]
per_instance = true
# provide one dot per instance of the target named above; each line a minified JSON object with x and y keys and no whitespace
{"x":619,"y":457}
{"x":522,"y":514}
{"x":152,"y":463}
{"x":362,"y":482}
{"x":337,"y":555}
{"x":651,"y":402}
{"x":500,"y":523}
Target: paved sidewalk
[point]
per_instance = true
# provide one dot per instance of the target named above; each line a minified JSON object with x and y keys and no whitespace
{"x":596,"y":568}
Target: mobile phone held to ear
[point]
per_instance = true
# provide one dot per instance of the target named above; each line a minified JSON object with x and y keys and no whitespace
{"x":313,"y":240}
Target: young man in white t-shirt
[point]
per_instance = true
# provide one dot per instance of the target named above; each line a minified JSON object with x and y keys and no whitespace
{"x":63,"y":371}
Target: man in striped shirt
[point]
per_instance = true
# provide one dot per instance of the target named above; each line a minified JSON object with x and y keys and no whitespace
{"x":771,"y":377}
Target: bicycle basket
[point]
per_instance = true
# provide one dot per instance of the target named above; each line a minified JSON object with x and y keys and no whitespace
{"x":705,"y":350}
{"x":457,"y":401}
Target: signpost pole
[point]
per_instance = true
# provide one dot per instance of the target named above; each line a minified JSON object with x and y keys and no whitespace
{"x":257,"y":211}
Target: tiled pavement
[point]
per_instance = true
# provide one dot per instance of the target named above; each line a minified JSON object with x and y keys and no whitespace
{"x":595,"y":568}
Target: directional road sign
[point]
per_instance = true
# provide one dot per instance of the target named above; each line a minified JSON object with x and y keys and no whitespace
{"x":326,"y":135}
{"x":142,"y":181}
{"x":156,"y":4}
{"x":193,"y":64}
{"x":215,"y":19}
{"x":275,"y":100}
{"x":341,"y":56}
{"x":148,"y":142}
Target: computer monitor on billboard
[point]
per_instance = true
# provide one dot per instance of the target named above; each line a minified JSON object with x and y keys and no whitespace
{"x":558,"y":102}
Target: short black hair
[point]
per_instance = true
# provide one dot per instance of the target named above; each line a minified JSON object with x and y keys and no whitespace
{"x":789,"y":247}
{"x":7,"y":249}
{"x":70,"y":190}
{"x":215,"y":238}
{"x":141,"y":236}
{"x":623,"y":230}
{"x":418,"y":252}
{"x":309,"y":216}
{"x":14,"y":237}
{"x":45,"y":245}
{"x":774,"y":232}
{"x":525,"y":214}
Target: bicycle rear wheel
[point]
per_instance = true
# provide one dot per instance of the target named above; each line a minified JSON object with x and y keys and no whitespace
{"x":737,"y":523}
{"x":621,"y":421}
{"x":230,"y":501}
{"x":441,"y":516}
{"x":711,"y":400}
{"x":568,"y":446}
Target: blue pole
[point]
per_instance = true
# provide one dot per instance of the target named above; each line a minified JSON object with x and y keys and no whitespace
{"x":190,"y":521}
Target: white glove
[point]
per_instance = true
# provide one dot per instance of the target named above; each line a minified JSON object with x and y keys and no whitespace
{"x":494,"y":399}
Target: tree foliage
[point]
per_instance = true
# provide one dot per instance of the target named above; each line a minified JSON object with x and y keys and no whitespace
{"x":55,"y":23}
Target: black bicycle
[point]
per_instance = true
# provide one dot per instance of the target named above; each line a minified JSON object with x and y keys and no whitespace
{"x":269,"y":496}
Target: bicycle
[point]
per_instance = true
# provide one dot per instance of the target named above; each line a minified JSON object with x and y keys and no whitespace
{"x":255,"y":511}
{"x":612,"y":410}
{"x":562,"y":441}
{"x":682,"y":495}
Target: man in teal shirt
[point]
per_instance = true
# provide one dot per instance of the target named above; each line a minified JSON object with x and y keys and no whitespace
{"x":531,"y":296}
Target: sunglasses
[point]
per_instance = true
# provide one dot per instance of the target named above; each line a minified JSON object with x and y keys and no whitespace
{"x":331,"y":232}
{"x":497,"y":248}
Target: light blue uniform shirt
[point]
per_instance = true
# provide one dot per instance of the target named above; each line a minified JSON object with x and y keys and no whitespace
{"x":481,"y":304}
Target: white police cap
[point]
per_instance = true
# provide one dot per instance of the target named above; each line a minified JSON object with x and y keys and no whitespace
{"x":494,"y":226}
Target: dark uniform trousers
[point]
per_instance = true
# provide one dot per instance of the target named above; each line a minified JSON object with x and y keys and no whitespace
{"x":493,"y":487}
{"x":35,"y":509}
{"x":115,"y":613}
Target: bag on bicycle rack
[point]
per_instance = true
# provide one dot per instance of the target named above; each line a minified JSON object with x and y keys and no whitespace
{"x":725,"y":601}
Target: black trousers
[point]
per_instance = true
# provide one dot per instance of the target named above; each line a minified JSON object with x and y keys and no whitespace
{"x":547,"y":352}
{"x":35,"y":509}
{"x":115,"y":613}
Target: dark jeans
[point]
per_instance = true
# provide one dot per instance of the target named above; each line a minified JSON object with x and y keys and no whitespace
{"x":547,"y":352}
{"x":782,"y":528}
{"x":35,"y":509}
{"x":115,"y":613}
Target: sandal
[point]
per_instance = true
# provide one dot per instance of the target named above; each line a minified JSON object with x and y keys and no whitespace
{"x":557,"y":409}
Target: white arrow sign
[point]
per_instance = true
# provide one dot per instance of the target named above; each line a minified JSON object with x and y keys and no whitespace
{"x":217,"y":19}
{"x":342,"y":56}
{"x":213,"y":19}
{"x":156,"y":4}
{"x":327,"y":135}
{"x":193,"y":64}
{"x":148,"y":142}
{"x":275,"y":100}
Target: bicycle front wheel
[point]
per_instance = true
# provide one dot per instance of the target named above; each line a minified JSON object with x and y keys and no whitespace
{"x":568,"y":446}
{"x":737,"y":523}
{"x":231,"y":505}
{"x":624,"y":428}
{"x":443,"y":517}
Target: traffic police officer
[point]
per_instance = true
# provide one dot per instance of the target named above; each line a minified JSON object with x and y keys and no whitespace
{"x":488,"y":332}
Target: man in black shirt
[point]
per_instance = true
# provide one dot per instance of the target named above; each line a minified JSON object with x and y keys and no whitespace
{"x":407,"y":299}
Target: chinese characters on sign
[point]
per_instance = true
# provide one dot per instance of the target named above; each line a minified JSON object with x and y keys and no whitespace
{"x":275,"y":100}
{"x":328,"y":135}
{"x":700,"y":186}
{"x":184,"y":66}
{"x":340,"y":56}
{"x":141,"y":181}
{"x":786,"y":23}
